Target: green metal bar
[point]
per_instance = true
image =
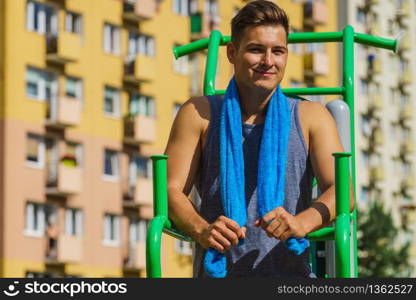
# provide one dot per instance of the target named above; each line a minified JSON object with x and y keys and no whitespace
{"x":177,"y":234}
{"x":375,"y":41}
{"x":324,"y":234}
{"x":342,"y":222}
{"x":314,"y":37}
{"x":348,"y":83}
{"x":211,"y":64}
{"x":305,"y":91}
{"x":160,"y":190}
{"x":153,"y":240}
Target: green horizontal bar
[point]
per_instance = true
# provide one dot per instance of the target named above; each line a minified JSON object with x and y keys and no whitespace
{"x":177,"y":234}
{"x":315,"y":37}
{"x":324,"y":234}
{"x":375,"y":41}
{"x":305,"y":91}
{"x":314,"y":91}
{"x":299,"y":37}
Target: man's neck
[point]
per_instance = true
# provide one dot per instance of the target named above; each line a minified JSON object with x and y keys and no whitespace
{"x":253,"y":103}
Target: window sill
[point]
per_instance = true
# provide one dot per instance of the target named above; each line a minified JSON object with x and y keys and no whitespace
{"x":113,"y":244}
{"x":31,"y":233}
{"x":34,"y":165}
{"x":112,"y":117}
{"x":110,"y":178}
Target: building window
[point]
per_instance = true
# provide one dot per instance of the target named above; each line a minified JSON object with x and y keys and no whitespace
{"x":182,"y":247}
{"x":73,"y":222}
{"x":40,"y":85}
{"x":111,"y":164}
{"x":365,"y":195}
{"x":73,"y":154}
{"x":142,"y":105}
{"x":138,"y":230}
{"x":35,"y":219}
{"x":141,"y":44}
{"x":185,"y":7}
{"x":111,"y":230}
{"x":73,"y":22}
{"x":111,"y":102}
{"x":35,"y":151}
{"x":111,"y":39}
{"x":73,"y":87}
{"x":41,"y":18}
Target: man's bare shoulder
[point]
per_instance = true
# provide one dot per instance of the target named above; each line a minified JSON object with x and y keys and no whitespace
{"x":194,"y":114}
{"x":313,"y":114}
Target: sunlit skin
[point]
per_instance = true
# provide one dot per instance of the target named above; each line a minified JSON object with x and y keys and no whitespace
{"x":259,"y":62}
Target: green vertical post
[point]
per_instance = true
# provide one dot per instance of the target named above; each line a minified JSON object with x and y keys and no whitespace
{"x":153,"y":243}
{"x":342,"y":221}
{"x":211,"y":64}
{"x":160,"y":185}
{"x":348,"y":83}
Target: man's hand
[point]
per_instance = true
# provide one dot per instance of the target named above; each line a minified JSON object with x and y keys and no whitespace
{"x":222,"y":234}
{"x":281,"y":225}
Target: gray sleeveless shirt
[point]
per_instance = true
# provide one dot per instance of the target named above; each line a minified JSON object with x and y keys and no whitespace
{"x":260,"y":255}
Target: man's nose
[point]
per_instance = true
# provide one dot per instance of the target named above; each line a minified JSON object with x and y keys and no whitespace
{"x":267,"y":59}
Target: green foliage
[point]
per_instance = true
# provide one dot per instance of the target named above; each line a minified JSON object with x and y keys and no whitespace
{"x":379,"y":255}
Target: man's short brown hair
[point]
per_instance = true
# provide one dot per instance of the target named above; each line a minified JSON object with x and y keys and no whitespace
{"x":256,"y":13}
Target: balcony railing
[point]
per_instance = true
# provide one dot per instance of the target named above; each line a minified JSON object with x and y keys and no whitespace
{"x":63,"y":48}
{"x":136,"y":256}
{"x":139,"y":68}
{"x":139,"y":129}
{"x":64,"y":249}
{"x":376,"y":174}
{"x":315,"y":13}
{"x":137,"y":11}
{"x":63,"y":111}
{"x":63,"y":180}
{"x":316,"y":64}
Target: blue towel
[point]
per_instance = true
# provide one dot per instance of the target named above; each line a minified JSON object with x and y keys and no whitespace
{"x":270,"y":182}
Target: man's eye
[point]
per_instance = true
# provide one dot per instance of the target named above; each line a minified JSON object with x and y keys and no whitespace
{"x":255,"y":50}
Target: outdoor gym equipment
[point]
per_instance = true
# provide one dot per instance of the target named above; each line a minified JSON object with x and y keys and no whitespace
{"x":344,"y":231}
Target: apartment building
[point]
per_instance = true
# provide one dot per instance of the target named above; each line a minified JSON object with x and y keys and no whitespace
{"x":385,"y":123}
{"x":88,"y":92}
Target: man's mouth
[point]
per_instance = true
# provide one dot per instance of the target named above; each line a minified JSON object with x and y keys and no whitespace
{"x":264,"y":73}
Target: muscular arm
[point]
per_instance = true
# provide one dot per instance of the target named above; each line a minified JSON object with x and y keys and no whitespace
{"x":184,"y":152}
{"x":323,"y":142}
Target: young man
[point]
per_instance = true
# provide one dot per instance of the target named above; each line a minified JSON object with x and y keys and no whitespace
{"x":258,"y":51}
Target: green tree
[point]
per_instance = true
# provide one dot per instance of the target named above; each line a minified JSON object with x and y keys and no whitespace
{"x":379,"y":255}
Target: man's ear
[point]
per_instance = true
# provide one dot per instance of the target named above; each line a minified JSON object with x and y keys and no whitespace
{"x":231,"y":52}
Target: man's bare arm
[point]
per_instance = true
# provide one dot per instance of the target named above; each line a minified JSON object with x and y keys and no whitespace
{"x":323,"y":142}
{"x":184,"y":151}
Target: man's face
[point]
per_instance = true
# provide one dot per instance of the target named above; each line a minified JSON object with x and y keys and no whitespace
{"x":260,"y":60}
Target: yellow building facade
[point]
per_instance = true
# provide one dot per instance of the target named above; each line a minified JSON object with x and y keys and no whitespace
{"x":88,"y":92}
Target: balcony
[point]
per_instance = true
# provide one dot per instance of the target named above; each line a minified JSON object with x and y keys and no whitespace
{"x":404,"y":44}
{"x":316,"y":64}
{"x":405,"y":78}
{"x":63,"y":112}
{"x":315,"y":13}
{"x":136,"y":257}
{"x":374,"y":65}
{"x":63,"y":48}
{"x":66,"y":249}
{"x":140,"y":194}
{"x":406,"y":148}
{"x":139,"y":129}
{"x":408,"y":182}
{"x":376,"y":174}
{"x":139,"y":68}
{"x":368,"y":4}
{"x":377,"y":138}
{"x":63,"y":179}
{"x":202,"y":25}
{"x":403,"y":12}
{"x":136,"y":11}
{"x":406,"y":113}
